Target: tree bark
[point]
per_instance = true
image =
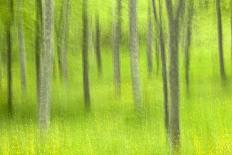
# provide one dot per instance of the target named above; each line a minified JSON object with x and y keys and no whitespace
{"x":85,"y":45}
{"x":38,"y":43}
{"x":134,"y":55}
{"x":116,"y":48}
{"x":220,"y":40}
{"x":63,"y":40}
{"x":174,"y":22}
{"x":188,"y":37}
{"x":98,"y":45}
{"x":9,"y":56}
{"x":46,"y":65}
{"x":22,"y":53}
{"x":9,"y":70}
{"x":160,"y":32}
{"x":149,"y":42}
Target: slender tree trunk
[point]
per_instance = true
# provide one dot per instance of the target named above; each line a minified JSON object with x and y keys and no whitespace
{"x":22,"y":53}
{"x":85,"y":45}
{"x":116,"y":49}
{"x":98,"y":45}
{"x":38,"y":43}
{"x":9,"y":56}
{"x":174,"y":22}
{"x":163,"y":60}
{"x":9,"y":70}
{"x":149,"y":41}
{"x":46,"y":65}
{"x":231,"y":27}
{"x":220,"y":40}
{"x":188,"y":37}
{"x":134,"y":55}
{"x":63,"y":40}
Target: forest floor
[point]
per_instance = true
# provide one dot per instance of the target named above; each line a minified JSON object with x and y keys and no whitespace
{"x":112,"y":126}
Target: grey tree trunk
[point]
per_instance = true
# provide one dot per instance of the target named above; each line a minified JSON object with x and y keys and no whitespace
{"x":9,"y":56}
{"x":134,"y":55}
{"x":22,"y":53}
{"x":38,"y":43}
{"x":188,"y":37}
{"x":85,"y":62}
{"x":174,"y":22}
{"x":116,"y":48}
{"x":9,"y":70}
{"x":231,"y":27}
{"x":149,"y":41}
{"x":160,"y":32}
{"x":46,"y":64}
{"x":220,"y":40}
{"x":63,"y":40}
{"x":98,"y":45}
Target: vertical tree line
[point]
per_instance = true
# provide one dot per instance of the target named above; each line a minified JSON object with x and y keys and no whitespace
{"x":85,"y":65}
{"x":116,"y":47}
{"x":46,"y":64}
{"x":134,"y":55}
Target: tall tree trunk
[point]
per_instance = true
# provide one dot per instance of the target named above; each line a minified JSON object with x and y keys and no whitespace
{"x":98,"y":44}
{"x":9,"y":69}
{"x":149,"y":41}
{"x":22,"y":54}
{"x":116,"y":49}
{"x":85,"y":62}
{"x":160,"y":32}
{"x":188,"y":37}
{"x":134,"y":55}
{"x":9,"y":56}
{"x":46,"y":65}
{"x":63,"y":40}
{"x":231,"y":27}
{"x":38,"y":43}
{"x":220,"y":40}
{"x":174,"y":22}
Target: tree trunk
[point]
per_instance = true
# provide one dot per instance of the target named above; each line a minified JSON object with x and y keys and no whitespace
{"x":85,"y":45}
{"x":9,"y":70}
{"x":22,"y":54}
{"x":163,"y":60}
{"x":116,"y":48}
{"x":220,"y":40}
{"x":149,"y":41}
{"x":134,"y":55}
{"x":9,"y":56}
{"x":46,"y":65}
{"x":174,"y":22}
{"x":188,"y":37}
{"x":98,"y":45}
{"x":63,"y":40}
{"x":38,"y":43}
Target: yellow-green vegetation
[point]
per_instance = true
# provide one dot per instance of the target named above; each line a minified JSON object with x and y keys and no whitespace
{"x":112,"y":126}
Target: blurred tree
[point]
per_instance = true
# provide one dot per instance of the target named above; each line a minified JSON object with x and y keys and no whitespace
{"x":46,"y":64}
{"x":149,"y":41}
{"x":9,"y":25}
{"x":62,"y":44}
{"x":22,"y":53}
{"x":98,"y":43}
{"x":174,"y":16}
{"x":220,"y":39}
{"x":188,"y":36}
{"x":38,"y":42}
{"x":85,"y":62}
{"x":134,"y":54}
{"x":160,"y":32}
{"x":116,"y":47}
